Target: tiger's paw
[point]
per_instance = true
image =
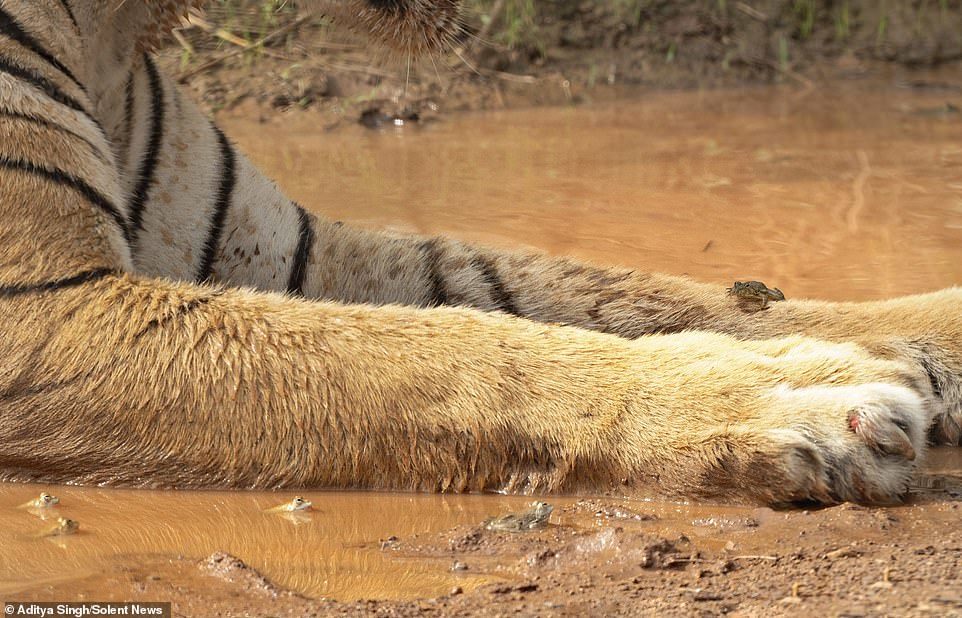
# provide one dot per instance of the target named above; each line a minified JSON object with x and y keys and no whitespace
{"x":802,"y":420}
{"x":863,"y":448}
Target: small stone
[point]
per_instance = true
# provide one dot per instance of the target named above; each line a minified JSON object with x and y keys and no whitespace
{"x":704,"y":595}
{"x":844,"y":552}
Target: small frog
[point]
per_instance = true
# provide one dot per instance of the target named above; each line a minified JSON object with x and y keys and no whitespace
{"x":532,"y":519}
{"x":294,"y":506}
{"x":44,"y":501}
{"x":755,"y":291}
{"x":63,"y":527}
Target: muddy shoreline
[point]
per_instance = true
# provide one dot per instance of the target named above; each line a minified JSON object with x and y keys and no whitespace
{"x":612,"y":557}
{"x":563,"y":53}
{"x":596,"y":556}
{"x":566,"y":54}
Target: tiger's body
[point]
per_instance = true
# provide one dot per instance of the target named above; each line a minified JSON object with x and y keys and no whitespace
{"x":169,"y":318}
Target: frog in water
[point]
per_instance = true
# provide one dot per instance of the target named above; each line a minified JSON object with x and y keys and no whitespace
{"x":532,"y":519}
{"x":44,"y":501}
{"x":755,"y":291}
{"x":63,"y":527}
{"x":298,"y":504}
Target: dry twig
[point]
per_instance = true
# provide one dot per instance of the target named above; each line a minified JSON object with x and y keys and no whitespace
{"x":246,"y":47}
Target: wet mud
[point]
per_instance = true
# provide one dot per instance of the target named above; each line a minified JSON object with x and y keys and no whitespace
{"x":405,"y":555}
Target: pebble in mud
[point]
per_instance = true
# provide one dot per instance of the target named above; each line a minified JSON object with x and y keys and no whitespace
{"x":886,"y":582}
{"x":374,"y":118}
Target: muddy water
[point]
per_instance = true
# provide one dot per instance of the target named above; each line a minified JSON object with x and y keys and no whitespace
{"x":853,"y":192}
{"x":336,"y":549}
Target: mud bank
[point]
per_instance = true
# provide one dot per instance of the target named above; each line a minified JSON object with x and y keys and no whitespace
{"x":611,"y":557}
{"x":562,"y":53}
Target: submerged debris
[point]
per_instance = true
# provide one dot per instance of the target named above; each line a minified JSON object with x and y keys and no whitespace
{"x":374,"y":118}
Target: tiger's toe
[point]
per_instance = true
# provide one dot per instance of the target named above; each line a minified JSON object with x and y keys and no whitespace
{"x":867,"y":445}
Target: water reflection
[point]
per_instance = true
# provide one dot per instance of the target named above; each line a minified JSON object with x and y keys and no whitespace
{"x":841,"y":193}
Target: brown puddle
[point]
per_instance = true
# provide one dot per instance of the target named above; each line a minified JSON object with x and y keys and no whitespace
{"x":336,"y":550}
{"x":851,"y":193}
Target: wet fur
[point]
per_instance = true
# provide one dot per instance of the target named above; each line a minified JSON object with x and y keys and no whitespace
{"x":410,"y":363}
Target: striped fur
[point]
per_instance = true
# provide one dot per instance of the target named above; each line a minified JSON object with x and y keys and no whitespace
{"x":165,"y":319}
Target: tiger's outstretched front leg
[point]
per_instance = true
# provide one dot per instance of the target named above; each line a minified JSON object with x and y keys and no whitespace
{"x":119,"y":379}
{"x":353,"y":265}
{"x":198,"y":210}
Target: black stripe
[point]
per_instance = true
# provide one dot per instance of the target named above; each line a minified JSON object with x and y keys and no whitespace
{"x":302,"y":255}
{"x":499,"y":294}
{"x":129,"y":110}
{"x":61,"y":177}
{"x":10,"y":27}
{"x":48,"y":124}
{"x":48,"y":88}
{"x":69,"y":11}
{"x":431,"y":249}
{"x":182,"y":311}
{"x":148,"y":166}
{"x":88,"y":276}
{"x":228,"y":175}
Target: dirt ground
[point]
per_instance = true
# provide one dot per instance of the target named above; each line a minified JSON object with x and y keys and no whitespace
{"x":606,"y":558}
{"x":565,"y":52}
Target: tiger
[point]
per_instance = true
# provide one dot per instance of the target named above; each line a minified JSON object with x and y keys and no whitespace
{"x":170,"y":319}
